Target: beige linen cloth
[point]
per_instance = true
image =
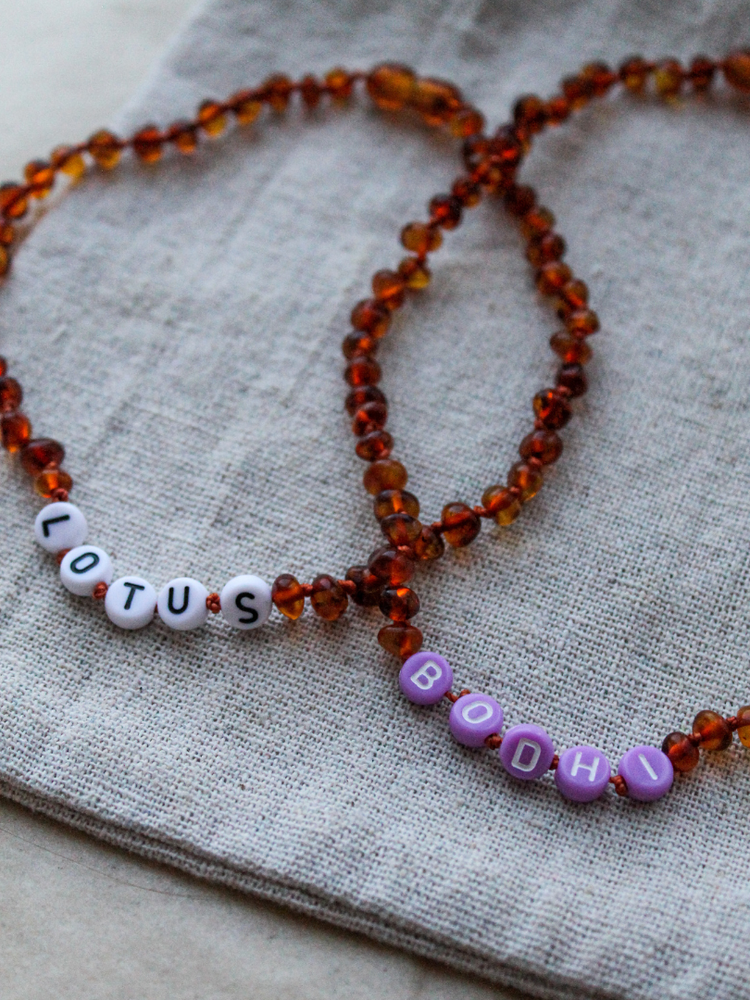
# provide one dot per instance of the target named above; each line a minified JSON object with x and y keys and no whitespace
{"x":178,"y":328}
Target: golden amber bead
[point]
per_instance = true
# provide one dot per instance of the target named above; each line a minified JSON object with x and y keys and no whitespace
{"x":375,"y":445}
{"x":371,"y":316}
{"x":400,"y":640}
{"x":552,"y":409}
{"x":701,"y":73}
{"x":537,"y":221}
{"x":446,"y":211}
{"x":401,"y":529}
{"x":712,"y":731}
{"x":41,"y":454}
{"x":526,"y":478}
{"x":358,"y":343}
{"x":183,"y":135}
{"x":363,"y":394}
{"x":310,"y":91}
{"x":546,"y":446}
{"x":105,"y":149}
{"x":339,"y":84}
{"x":246,"y":106}
{"x":386,"y":474}
{"x":600,"y":76}
{"x":288,"y":595}
{"x":40,"y":177}
{"x":436,"y":100}
{"x":429,"y":545}
{"x":461,"y":524}
{"x":668,"y":77}
{"x":212,"y":118}
{"x":328,"y":598}
{"x":736,"y":68}
{"x":634,"y":73}
{"x":573,"y":350}
{"x":277,"y":90}
{"x":369,"y":417}
{"x":530,"y":112}
{"x":15,"y":431}
{"x":69,"y":161}
{"x":391,"y":86}
{"x":399,"y":603}
{"x":557,"y":109}
{"x":368,"y":587}
{"x":395,"y":502}
{"x":544,"y":249}
{"x":388,"y":287}
{"x":11,"y":393}
{"x":362,"y":371}
{"x":416,"y":273}
{"x":681,"y":752}
{"x":147,"y":144}
{"x":743,"y":725}
{"x":582,"y":321}
{"x":502,"y":504}
{"x":4,"y":261}
{"x":14,"y":201}
{"x":421,"y":238}
{"x":552,"y":277}
{"x":572,"y":378}
{"x":466,"y":122}
{"x":467,"y":192}
{"x":391,"y":565}
{"x":50,"y":480}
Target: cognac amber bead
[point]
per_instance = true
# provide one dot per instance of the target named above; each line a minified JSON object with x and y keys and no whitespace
{"x":701,"y":73}
{"x":578,"y":90}
{"x":15,"y":431}
{"x":69,"y":161}
{"x":502,"y":504}
{"x":388,"y":288}
{"x":310,"y":92}
{"x":369,"y":417}
{"x":375,"y":445}
{"x":395,"y":502}
{"x":212,"y":118}
{"x":571,"y":349}
{"x":681,"y":752}
{"x":446,"y":211}
{"x":4,"y":261}
{"x":361,"y":395}
{"x":277,"y":90}
{"x":7,"y":235}
{"x":552,"y":277}
{"x":386,"y":474}
{"x":537,"y":221}
{"x":420,"y":238}
{"x":575,"y":294}
{"x":557,"y":110}
{"x":416,"y":273}
{"x":736,"y":68}
{"x":371,"y":316}
{"x":368,"y":587}
{"x":668,"y":77}
{"x":572,"y":377}
{"x":634,"y":73}
{"x":530,"y":112}
{"x":401,"y":529}
{"x":184,"y":136}
{"x":357,"y":344}
{"x":50,"y":480}
{"x":429,"y":545}
{"x":436,"y":100}
{"x":743,"y":725}
{"x":391,"y":565}
{"x":147,"y":144}
{"x":362,"y":371}
{"x":520,"y":199}
{"x":712,"y":731}
{"x":328,"y":598}
{"x":11,"y":393}
{"x":105,"y":149}
{"x":467,"y":192}
{"x":466,"y":122}
{"x":504,"y":147}
{"x":14,"y":201}
{"x":399,"y":603}
{"x":3,"y":366}
{"x":461,"y":524}
{"x":391,"y":86}
{"x":526,"y":478}
{"x":400,"y":640}
{"x":583,"y":322}
{"x":546,"y":446}
{"x":600,"y":76}
{"x":41,"y":454}
{"x":288,"y":595}
{"x":40,"y":177}
{"x":339,"y":84}
{"x":246,"y":106}
{"x":552,"y":409}
{"x":544,"y":249}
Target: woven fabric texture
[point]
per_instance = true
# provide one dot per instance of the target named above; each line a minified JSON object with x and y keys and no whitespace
{"x":178,"y":328}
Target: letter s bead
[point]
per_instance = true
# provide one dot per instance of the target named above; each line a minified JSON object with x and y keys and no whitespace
{"x":246,"y":602}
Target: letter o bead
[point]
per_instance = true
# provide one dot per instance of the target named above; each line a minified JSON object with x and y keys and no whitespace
{"x":526,"y":752}
{"x":130,"y":602}
{"x":425,"y":678}
{"x":582,"y":774}
{"x":83,"y":568}
{"x":473,"y":718}
{"x":246,"y":602}
{"x":648,"y":773}
{"x":182,"y":604}
{"x":60,"y":526}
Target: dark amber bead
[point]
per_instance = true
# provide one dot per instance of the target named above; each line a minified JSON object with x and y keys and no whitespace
{"x":557,"y":110}
{"x":668,"y":77}
{"x":436,"y":100}
{"x":395,"y":502}
{"x":183,"y":135}
{"x":15,"y":431}
{"x":4,"y":261}
{"x":466,"y":122}
{"x":388,"y":288}
{"x":537,"y":221}
{"x":712,"y":731}
{"x":357,"y":344}
{"x":634,"y":73}
{"x":50,"y":480}
{"x":573,"y":350}
{"x":14,"y":201}
{"x":147,"y":144}
{"x":421,"y":238}
{"x":743,"y":725}
{"x":371,"y":316}
{"x":339,"y":83}
{"x":328,"y":598}
{"x":681,"y":752}
{"x":368,"y":587}
{"x":543,"y":249}
{"x":391,"y":86}
{"x":3,"y":366}
{"x":582,"y":321}
{"x":400,"y":640}
{"x":575,"y":294}
{"x":446,"y":210}
{"x":552,"y":277}
{"x":467,"y":192}
{"x":288,"y":595}
{"x":277,"y":90}
{"x":212,"y":118}
{"x":11,"y":393}
{"x":40,"y":454}
{"x":578,"y":90}
{"x":386,"y":474}
{"x":502,"y":504}
{"x":401,"y":529}
{"x":416,"y":273}
{"x":377,"y":444}
{"x":369,"y":417}
{"x":69,"y":161}
{"x":310,"y":91}
{"x":736,"y":68}
{"x":105,"y":149}
{"x":363,"y":394}
{"x":362,"y":371}
{"x":246,"y":106}
{"x":530,"y":112}
{"x":461,"y":524}
{"x":546,"y":446}
{"x":526,"y":477}
{"x":600,"y":76}
{"x":429,"y":545}
{"x":391,"y":565}
{"x":552,"y":409}
{"x":520,"y":199}
{"x":504,"y":148}
{"x":40,"y":177}
{"x":572,"y":377}
{"x":701,"y":73}
{"x":399,"y":603}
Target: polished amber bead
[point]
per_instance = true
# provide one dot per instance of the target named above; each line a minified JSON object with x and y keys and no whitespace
{"x":526,"y":477}
{"x":572,"y":378}
{"x":743,"y":725}
{"x":520,"y":199}
{"x":552,"y":277}
{"x":401,"y":529}
{"x":50,"y":480}
{"x":543,"y":249}
{"x":362,"y":371}
{"x":288,"y":595}
{"x":3,"y":366}
{"x":634,"y":73}
{"x":466,"y":122}
{"x":600,"y":76}
{"x":15,"y":431}
{"x":69,"y":161}
{"x":40,"y":177}
{"x":4,"y":261}
{"x":401,"y":640}
{"x":399,"y":603}
{"x":429,"y":545}
{"x":11,"y":393}
{"x":668,"y":77}
{"x":391,"y":565}
{"x":582,"y":321}
{"x":339,"y":83}
{"x":537,"y":221}
{"x":552,"y":409}
{"x":14,"y":201}
{"x":371,"y":316}
{"x":461,"y":524}
{"x":446,"y":211}
{"x":502,"y":504}
{"x":736,"y":68}
{"x":395,"y":502}
{"x":573,"y":350}
{"x":386,"y":474}
{"x":369,"y":417}
{"x":363,"y":394}
{"x":147,"y":144}
{"x":391,"y":86}
{"x":183,"y":135}
{"x":467,"y":192}
{"x":277,"y":90}
{"x":436,"y":100}
{"x":701,"y":73}
{"x":421,"y":238}
{"x":310,"y":92}
{"x":681,"y":752}
{"x":546,"y":446}
{"x":40,"y":454}
{"x":557,"y":109}
{"x":368,"y":587}
{"x":504,"y":147}
{"x":377,"y":444}
{"x":530,"y":112}
{"x":105,"y":149}
{"x":388,"y":288}
{"x":578,"y":90}
{"x":7,"y":235}
{"x":357,"y":344}
{"x":246,"y":106}
{"x":712,"y":731}
{"x":416,"y":273}
{"x":212,"y":118}
{"x":328,"y":598}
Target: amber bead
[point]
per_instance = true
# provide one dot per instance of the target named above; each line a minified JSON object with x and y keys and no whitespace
{"x":277,"y":90}
{"x":50,"y":480}
{"x":40,"y":177}
{"x":368,"y":587}
{"x":435,"y":100}
{"x":520,"y":199}
{"x":147,"y":144}
{"x":712,"y":731}
{"x":388,"y":288}
{"x":14,"y":202}
{"x":363,"y":394}
{"x":339,"y":83}
{"x":362,"y":371}
{"x":246,"y":106}
{"x":429,"y":545}
{"x":391,"y":86}
{"x":399,"y":603}
{"x":530,"y":111}
{"x":11,"y":393}
{"x":7,"y":235}
{"x":395,"y":502}
{"x":578,"y":90}
{"x":385,"y":474}
{"x":572,"y":377}
{"x":526,"y":477}
{"x":552,"y":409}
{"x":183,"y":135}
{"x":701,"y":73}
{"x":681,"y":752}
{"x":546,"y":248}
{"x":15,"y":431}
{"x":288,"y":595}
{"x":557,"y":109}
{"x":105,"y":149}
{"x":4,"y":261}
{"x":582,"y":321}
{"x":504,"y":148}
{"x":328,"y":598}
{"x":416,"y":273}
{"x":573,"y":350}
{"x":401,"y":640}
{"x":634,"y":73}
{"x":3,"y":366}
{"x":401,"y":529}
{"x":421,"y":238}
{"x":575,"y":294}
{"x":466,"y":122}
{"x":40,"y":454}
{"x":467,"y":192}
{"x":69,"y":161}
{"x":600,"y":76}
{"x":371,"y":316}
{"x":391,"y":565}
{"x":736,"y":68}
{"x":537,"y":221}
{"x":358,"y":343}
{"x":668,"y":77}
{"x":446,"y":210}
{"x":377,"y":444}
{"x":552,"y":277}
{"x":743,"y":725}
{"x":546,"y":446}
{"x":502,"y":504}
{"x":212,"y":118}
{"x":369,"y":417}
{"x":461,"y":524}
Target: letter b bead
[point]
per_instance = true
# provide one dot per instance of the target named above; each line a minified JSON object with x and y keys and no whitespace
{"x":474,"y":717}
{"x":182,"y":604}
{"x":246,"y":602}
{"x":425,"y":678}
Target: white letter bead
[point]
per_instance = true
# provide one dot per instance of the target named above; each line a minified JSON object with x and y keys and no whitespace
{"x":182,"y":604}
{"x":130,"y":602}
{"x":60,"y":526}
{"x":84,"y":567}
{"x":246,"y":602}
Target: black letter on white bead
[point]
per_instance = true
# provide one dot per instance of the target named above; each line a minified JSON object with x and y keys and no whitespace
{"x":248,"y":609}
{"x":132,"y":587}
{"x":185,"y":601}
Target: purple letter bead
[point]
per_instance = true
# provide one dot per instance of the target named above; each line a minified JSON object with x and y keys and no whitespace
{"x":648,"y":773}
{"x":582,"y":774}
{"x":526,"y":752}
{"x":475,"y":717}
{"x":425,"y":678}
